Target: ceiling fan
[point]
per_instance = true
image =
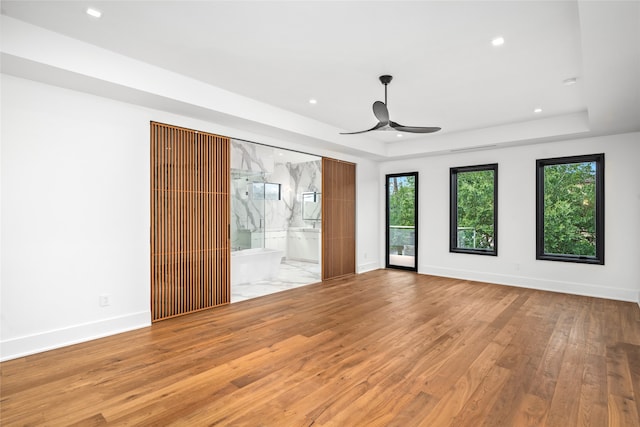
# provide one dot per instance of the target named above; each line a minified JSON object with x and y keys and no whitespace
{"x":382,"y":114}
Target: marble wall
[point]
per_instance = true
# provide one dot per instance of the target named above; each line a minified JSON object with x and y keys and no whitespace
{"x":251,"y":214}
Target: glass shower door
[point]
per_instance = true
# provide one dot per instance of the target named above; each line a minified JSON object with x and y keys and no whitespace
{"x":258,"y":226}
{"x":247,"y":210}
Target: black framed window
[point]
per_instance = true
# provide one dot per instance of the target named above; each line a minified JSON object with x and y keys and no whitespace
{"x":474,"y":210}
{"x":266,"y":191}
{"x":570,"y":209}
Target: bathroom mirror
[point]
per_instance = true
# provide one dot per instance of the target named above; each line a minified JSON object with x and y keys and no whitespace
{"x":311,"y":206}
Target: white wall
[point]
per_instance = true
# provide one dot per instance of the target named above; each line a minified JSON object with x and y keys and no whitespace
{"x":75,"y":217}
{"x":75,"y":213}
{"x":516,"y":262}
{"x":368,"y":218}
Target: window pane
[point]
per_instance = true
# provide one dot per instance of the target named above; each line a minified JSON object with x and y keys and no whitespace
{"x":570,"y":209}
{"x":401,"y":201}
{"x":257,"y":191}
{"x":475,"y":210}
{"x":271,"y":191}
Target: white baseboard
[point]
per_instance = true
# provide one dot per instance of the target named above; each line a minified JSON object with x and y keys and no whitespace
{"x":369,"y":266}
{"x":49,"y":340}
{"x":584,"y":289}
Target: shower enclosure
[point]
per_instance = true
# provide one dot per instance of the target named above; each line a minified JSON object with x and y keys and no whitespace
{"x":253,"y":199}
{"x":254,"y":257}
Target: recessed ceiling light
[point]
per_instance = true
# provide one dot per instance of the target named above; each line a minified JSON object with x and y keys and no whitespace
{"x":313,"y":101}
{"x":537,"y":110}
{"x":399,"y":135}
{"x":498,"y":41}
{"x":569,"y":82}
{"x":94,"y":12}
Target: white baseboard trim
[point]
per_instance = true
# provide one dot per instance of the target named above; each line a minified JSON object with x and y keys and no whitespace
{"x":49,"y":340}
{"x":369,"y":266}
{"x":584,"y":289}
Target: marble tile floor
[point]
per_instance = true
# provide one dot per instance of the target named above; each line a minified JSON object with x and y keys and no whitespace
{"x":292,"y":275}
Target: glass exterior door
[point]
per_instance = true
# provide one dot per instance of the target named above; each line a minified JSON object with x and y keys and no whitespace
{"x":402,"y":221}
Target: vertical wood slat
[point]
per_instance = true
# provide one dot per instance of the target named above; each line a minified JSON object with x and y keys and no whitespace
{"x":190,"y":213}
{"x":338,"y":218}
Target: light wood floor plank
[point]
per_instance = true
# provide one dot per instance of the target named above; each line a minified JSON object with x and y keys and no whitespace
{"x":385,"y":348}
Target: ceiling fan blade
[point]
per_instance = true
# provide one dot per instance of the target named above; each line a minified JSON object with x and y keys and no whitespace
{"x":378,"y":126}
{"x":381,"y":112}
{"x":413,"y":129}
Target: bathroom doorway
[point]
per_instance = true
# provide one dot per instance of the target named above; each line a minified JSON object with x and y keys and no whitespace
{"x":275,"y":219}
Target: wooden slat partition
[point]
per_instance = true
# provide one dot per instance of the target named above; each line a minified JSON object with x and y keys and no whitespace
{"x":190,"y":217}
{"x":338,"y":218}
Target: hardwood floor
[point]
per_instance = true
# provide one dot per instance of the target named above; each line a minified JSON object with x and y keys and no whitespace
{"x":382,"y":348}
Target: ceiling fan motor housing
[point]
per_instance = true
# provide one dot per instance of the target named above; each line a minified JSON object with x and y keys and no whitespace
{"x":385,"y":80}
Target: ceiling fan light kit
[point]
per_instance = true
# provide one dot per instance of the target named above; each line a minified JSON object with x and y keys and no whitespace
{"x":382,"y":114}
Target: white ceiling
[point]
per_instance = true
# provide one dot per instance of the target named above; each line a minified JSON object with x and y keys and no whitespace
{"x":446,"y":71}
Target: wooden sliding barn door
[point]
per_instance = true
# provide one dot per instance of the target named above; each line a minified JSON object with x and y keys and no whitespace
{"x":190,"y":251}
{"x":338,"y":218}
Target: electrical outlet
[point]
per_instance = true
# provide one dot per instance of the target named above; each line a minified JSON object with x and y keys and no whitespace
{"x":104,"y":300}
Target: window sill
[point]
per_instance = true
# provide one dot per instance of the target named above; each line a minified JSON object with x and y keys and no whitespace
{"x":571,"y":258}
